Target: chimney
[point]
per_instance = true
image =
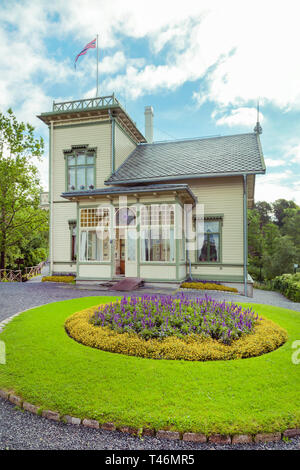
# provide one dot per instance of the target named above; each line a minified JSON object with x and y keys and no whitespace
{"x":149,"y":124}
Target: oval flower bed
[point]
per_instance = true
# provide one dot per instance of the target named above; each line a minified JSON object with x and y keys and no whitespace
{"x":167,"y":328}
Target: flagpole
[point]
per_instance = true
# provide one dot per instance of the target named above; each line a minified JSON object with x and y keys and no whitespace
{"x":97,"y":69}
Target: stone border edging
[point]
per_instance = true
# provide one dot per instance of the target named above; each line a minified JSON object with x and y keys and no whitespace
{"x":221,"y":439}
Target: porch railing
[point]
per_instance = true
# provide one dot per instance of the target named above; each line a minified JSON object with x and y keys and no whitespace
{"x":89,"y":103}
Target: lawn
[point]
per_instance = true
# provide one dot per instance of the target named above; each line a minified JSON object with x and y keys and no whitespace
{"x":49,"y":369}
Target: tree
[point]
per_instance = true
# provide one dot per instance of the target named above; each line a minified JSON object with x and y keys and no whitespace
{"x":20,"y":216}
{"x":291,"y":226}
{"x":265,"y":211}
{"x":274,"y":247}
{"x":282,"y":261}
{"x":271,"y":234}
{"x":255,"y":244}
{"x":279,"y":207}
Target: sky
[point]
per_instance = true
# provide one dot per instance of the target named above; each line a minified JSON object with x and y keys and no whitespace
{"x":201,"y":64}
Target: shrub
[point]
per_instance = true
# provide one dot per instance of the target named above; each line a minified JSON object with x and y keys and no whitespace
{"x":207,"y":286}
{"x":160,"y":317}
{"x":288,"y":285}
{"x":58,"y":278}
{"x":266,"y":337}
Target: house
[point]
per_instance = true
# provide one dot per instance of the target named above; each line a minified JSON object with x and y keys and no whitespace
{"x":123,"y":205}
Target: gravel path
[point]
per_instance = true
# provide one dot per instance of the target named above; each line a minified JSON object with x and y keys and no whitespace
{"x":15,"y":297}
{"x":22,"y":430}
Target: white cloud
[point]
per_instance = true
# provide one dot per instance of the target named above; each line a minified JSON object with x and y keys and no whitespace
{"x":238,"y":117}
{"x":213,"y":39}
{"x":293,"y":153}
{"x":271,"y":191}
{"x":272,"y":163}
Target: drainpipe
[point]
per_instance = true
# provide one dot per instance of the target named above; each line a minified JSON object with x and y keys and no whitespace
{"x":245,"y":219}
{"x":112,"y":141}
{"x":51,"y":197}
{"x":187,"y":251}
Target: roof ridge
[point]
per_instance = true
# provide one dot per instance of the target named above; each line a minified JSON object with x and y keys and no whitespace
{"x":193,"y":139}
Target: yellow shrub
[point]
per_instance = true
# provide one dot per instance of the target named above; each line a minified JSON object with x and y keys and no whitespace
{"x":207,"y":286}
{"x":267,"y":336}
{"x":58,"y":278}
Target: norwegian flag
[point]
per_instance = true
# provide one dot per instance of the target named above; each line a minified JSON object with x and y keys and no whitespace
{"x":90,"y":45}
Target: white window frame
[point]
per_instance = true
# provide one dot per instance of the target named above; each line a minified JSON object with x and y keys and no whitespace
{"x":94,"y":228}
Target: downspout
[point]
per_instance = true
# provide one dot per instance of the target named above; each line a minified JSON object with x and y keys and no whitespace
{"x":245,"y":219}
{"x":112,"y":142}
{"x":51,"y":197}
{"x":188,"y":251}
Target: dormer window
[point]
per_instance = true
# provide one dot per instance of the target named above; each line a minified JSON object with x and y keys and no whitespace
{"x":80,"y":167}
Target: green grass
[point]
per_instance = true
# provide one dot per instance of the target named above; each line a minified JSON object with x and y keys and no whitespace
{"x":49,"y":369}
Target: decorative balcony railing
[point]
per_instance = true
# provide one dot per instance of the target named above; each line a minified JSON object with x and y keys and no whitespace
{"x":90,"y":103}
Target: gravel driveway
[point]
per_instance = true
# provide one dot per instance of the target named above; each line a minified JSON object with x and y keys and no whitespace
{"x":22,"y":430}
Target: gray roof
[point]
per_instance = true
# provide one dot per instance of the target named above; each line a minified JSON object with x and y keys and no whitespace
{"x":214,"y":156}
{"x":131,"y":189}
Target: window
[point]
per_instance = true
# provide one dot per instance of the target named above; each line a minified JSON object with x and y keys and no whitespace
{"x":125,"y":217}
{"x":209,"y":241}
{"x":72,"y":228}
{"x":131,"y":247}
{"x":80,"y":170}
{"x":157,"y":233}
{"x":94,"y":234}
{"x":99,"y":217}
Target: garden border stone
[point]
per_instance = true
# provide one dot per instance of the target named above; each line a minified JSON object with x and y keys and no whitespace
{"x":220,"y":439}
{"x":31,"y":408}
{"x":242,"y":439}
{"x":171,"y":435}
{"x":53,"y":415}
{"x":194,"y":437}
{"x":90,"y":423}
{"x":72,"y":420}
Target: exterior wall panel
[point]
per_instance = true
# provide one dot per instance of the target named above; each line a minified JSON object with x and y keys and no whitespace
{"x":94,"y":271}
{"x":62,"y":213}
{"x":123,"y":146}
{"x":158,"y":272}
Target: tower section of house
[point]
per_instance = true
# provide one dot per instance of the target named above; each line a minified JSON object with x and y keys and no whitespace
{"x":88,"y":140}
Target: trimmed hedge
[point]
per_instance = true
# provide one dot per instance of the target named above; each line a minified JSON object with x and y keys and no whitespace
{"x":288,"y":285}
{"x":58,"y":278}
{"x":267,"y":336}
{"x":207,"y":286}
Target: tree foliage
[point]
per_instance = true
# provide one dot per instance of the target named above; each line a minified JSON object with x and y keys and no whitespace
{"x":273,"y":238}
{"x":21,"y":219}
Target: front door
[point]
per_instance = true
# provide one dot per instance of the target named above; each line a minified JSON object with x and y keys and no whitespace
{"x":120,"y":252}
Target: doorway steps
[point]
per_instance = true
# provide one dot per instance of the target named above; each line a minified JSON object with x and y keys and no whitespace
{"x":128,"y":284}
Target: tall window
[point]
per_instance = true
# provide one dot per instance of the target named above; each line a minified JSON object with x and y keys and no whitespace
{"x":72,"y":228}
{"x":94,"y":234}
{"x":157,"y":233}
{"x":81,"y":170}
{"x":209,"y":242}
